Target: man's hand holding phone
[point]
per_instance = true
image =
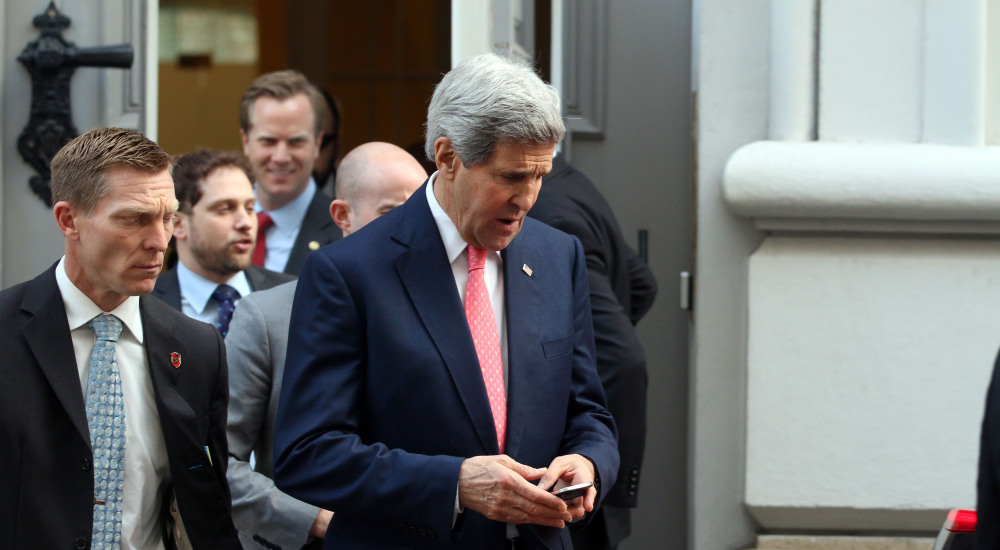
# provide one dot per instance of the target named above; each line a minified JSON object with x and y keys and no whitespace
{"x":566,"y":473}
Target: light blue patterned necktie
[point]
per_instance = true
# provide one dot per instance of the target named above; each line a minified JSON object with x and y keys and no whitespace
{"x":106,"y":417}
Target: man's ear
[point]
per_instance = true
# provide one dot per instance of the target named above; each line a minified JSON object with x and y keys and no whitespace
{"x":339,"y":210}
{"x":181,"y":226}
{"x":445,"y":157}
{"x":66,"y":216}
{"x":245,"y":141}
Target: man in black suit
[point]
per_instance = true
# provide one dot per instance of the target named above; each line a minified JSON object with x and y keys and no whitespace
{"x":280,"y":126}
{"x":214,"y":238}
{"x":987,"y":536}
{"x":622,"y":289}
{"x":113,"y":405}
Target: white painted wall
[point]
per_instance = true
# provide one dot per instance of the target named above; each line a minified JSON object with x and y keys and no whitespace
{"x":471,"y":28}
{"x":870,"y":75}
{"x":731,"y":81}
{"x":868,"y":361}
{"x":867,"y":315}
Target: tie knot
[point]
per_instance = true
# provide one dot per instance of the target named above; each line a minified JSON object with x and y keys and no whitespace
{"x":106,"y":327}
{"x":263,"y":221}
{"x":477,"y":257}
{"x":225,"y":293}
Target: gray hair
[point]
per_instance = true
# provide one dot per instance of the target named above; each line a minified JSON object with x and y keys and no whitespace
{"x":489,"y":99}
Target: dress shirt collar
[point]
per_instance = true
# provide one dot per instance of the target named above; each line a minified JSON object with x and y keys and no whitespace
{"x":292,"y":214}
{"x":454,"y":245}
{"x":80,"y":309}
{"x":198,"y":290}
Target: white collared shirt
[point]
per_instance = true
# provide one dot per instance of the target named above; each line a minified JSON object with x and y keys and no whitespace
{"x":196,"y":293}
{"x":458,"y":256}
{"x":287,"y":222}
{"x":147,"y":471}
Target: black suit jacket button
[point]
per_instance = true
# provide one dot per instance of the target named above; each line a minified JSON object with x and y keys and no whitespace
{"x":82,"y":543}
{"x":85,"y":464}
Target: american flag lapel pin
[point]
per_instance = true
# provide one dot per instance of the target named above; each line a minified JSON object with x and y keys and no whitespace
{"x":175,"y":359}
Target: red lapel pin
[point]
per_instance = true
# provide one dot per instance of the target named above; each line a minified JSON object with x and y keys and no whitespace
{"x":175,"y":359}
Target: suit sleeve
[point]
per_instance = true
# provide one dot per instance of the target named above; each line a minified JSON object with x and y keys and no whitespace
{"x":259,"y":508}
{"x":642,"y":286}
{"x":987,"y":536}
{"x":590,"y":430}
{"x":621,"y":361}
{"x":218,"y":411}
{"x":320,"y":455}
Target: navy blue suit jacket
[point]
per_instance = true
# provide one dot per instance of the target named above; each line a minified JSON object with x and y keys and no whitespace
{"x":383,"y":398}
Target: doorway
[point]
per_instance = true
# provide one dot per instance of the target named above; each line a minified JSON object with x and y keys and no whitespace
{"x":378,"y":59}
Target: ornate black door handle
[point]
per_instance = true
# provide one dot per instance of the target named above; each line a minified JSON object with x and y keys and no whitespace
{"x":51,"y":61}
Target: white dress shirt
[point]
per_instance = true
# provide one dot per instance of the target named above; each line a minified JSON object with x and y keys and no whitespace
{"x":287,"y":222}
{"x":458,"y":256}
{"x":196,"y":293}
{"x":147,"y":472}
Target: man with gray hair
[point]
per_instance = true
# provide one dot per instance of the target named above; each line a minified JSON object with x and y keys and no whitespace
{"x":440,"y":379}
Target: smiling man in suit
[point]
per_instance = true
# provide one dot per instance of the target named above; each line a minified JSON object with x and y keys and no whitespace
{"x":281,"y":126}
{"x":214,"y":238}
{"x":113,"y":406}
{"x":440,"y":376}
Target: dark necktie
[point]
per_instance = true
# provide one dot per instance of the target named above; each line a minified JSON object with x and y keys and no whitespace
{"x":225,"y":296}
{"x":260,"y":249}
{"x":106,"y":418}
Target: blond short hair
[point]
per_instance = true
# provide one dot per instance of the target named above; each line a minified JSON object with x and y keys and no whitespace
{"x":281,"y":85}
{"x":80,"y":169}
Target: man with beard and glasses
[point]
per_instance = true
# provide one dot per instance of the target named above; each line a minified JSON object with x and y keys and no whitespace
{"x":214,"y":238}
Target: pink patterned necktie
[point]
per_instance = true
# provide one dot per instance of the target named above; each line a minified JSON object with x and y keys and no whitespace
{"x":482,"y":324}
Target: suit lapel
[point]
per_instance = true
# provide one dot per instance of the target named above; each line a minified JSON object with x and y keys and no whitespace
{"x":168,"y":288}
{"x":47,"y":334}
{"x":160,"y":342}
{"x":427,"y":277}
{"x":317,"y":225}
{"x":255,"y":277}
{"x":523,"y":299}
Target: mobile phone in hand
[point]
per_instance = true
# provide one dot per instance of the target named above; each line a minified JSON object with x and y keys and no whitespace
{"x":573,"y":491}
